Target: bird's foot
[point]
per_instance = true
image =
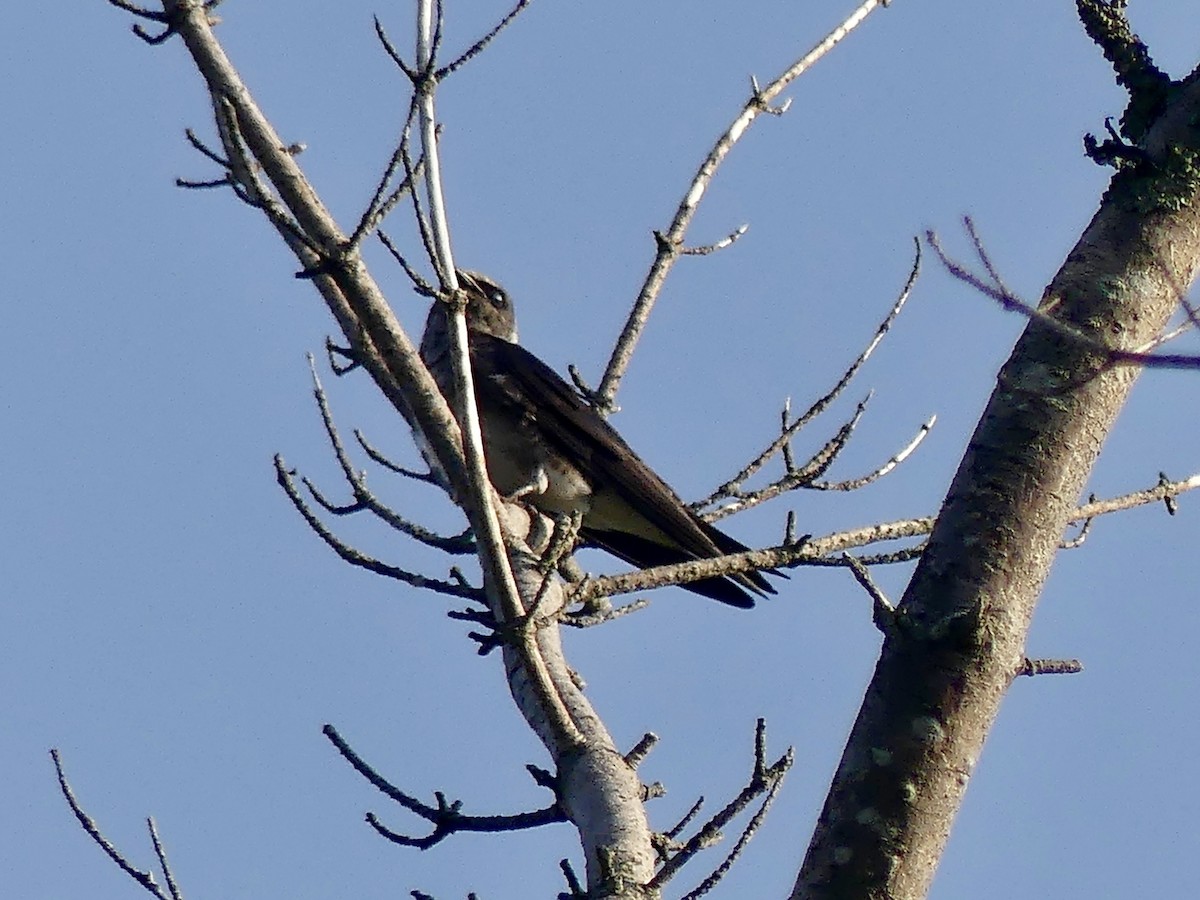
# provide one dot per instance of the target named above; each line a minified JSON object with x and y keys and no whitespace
{"x":537,"y":485}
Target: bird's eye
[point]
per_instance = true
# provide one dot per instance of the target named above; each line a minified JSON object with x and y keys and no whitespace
{"x":498,"y":299}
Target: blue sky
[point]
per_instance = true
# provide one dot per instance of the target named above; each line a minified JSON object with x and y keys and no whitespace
{"x":172,"y":626}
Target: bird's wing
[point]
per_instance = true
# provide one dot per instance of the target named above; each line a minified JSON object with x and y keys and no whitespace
{"x":512,"y":376}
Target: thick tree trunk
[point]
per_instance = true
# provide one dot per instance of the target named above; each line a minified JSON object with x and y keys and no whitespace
{"x":958,"y":638}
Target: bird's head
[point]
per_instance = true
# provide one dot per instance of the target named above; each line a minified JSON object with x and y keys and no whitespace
{"x":489,"y":308}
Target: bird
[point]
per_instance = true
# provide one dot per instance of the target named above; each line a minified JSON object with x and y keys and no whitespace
{"x":546,"y":445}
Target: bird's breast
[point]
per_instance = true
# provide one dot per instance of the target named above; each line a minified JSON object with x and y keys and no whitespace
{"x":517,"y":457}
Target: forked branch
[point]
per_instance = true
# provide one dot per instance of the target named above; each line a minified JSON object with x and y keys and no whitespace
{"x":733,"y":497}
{"x":446,"y":817}
{"x":827,"y":550}
{"x":992,"y":285}
{"x":670,"y":243}
{"x":765,"y":781}
{"x":169,"y":891}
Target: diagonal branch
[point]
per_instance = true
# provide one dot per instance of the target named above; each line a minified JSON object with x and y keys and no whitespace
{"x":365,"y":499}
{"x":480,"y":45}
{"x":447,"y":818}
{"x":995,"y":288}
{"x":826,"y":550}
{"x":671,"y":242}
{"x":765,"y":779}
{"x":145,"y":879}
{"x":790,"y":428}
{"x":286,"y":479}
{"x":940,"y":679}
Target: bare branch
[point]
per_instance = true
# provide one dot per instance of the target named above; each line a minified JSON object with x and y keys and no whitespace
{"x":286,"y":479}
{"x":590,"y":616}
{"x":1051,"y":667}
{"x":491,"y":539}
{"x":687,"y":819}
{"x":576,"y":889}
{"x":478,"y":47}
{"x":724,"y":242}
{"x":165,"y":864}
{"x":903,"y":555}
{"x":145,"y":879}
{"x":420,"y":285}
{"x":377,"y":457}
{"x":446,"y":817}
{"x":884,"y":611}
{"x":854,"y":484}
{"x":393,"y":53}
{"x":364,"y":499}
{"x":641,"y":750}
{"x":1165,"y":491}
{"x":204,"y":150}
{"x":670,"y":243}
{"x":243,"y":174}
{"x":816,"y":551}
{"x":744,"y":838}
{"x":998,"y":291}
{"x":794,"y":477}
{"x":764,"y":779}
{"x":1108,"y":27}
{"x":383,"y":201}
{"x":788,"y":430}
{"x":140,"y":11}
{"x":1084,"y":530}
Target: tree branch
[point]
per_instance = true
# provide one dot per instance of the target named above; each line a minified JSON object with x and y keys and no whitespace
{"x":827,"y":550}
{"x":940,"y":678}
{"x":670,"y":243}
{"x":145,"y":879}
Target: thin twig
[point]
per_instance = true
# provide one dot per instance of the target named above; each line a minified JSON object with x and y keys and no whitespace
{"x":145,"y":879}
{"x":364,"y":499}
{"x":377,"y":457}
{"x":1082,"y":536}
{"x":475,"y":49}
{"x":382,"y":202}
{"x":905,"y":452}
{"x":245,"y":180}
{"x":816,"y":551}
{"x":796,"y":477}
{"x":706,"y":249}
{"x":670,"y":243}
{"x":687,"y":819}
{"x":883,"y":610}
{"x":788,"y":431}
{"x":163,"y":862}
{"x":751,"y":829}
{"x":997,"y":291}
{"x":140,"y":11}
{"x":420,"y":285}
{"x":590,"y":615}
{"x":286,"y":479}
{"x":393,"y":53}
{"x":446,"y":817}
{"x":764,"y":779}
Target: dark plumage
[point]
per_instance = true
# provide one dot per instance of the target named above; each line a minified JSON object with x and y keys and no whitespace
{"x":538,"y":432}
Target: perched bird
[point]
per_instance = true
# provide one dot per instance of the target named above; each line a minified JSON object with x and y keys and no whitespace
{"x":543,"y":441}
